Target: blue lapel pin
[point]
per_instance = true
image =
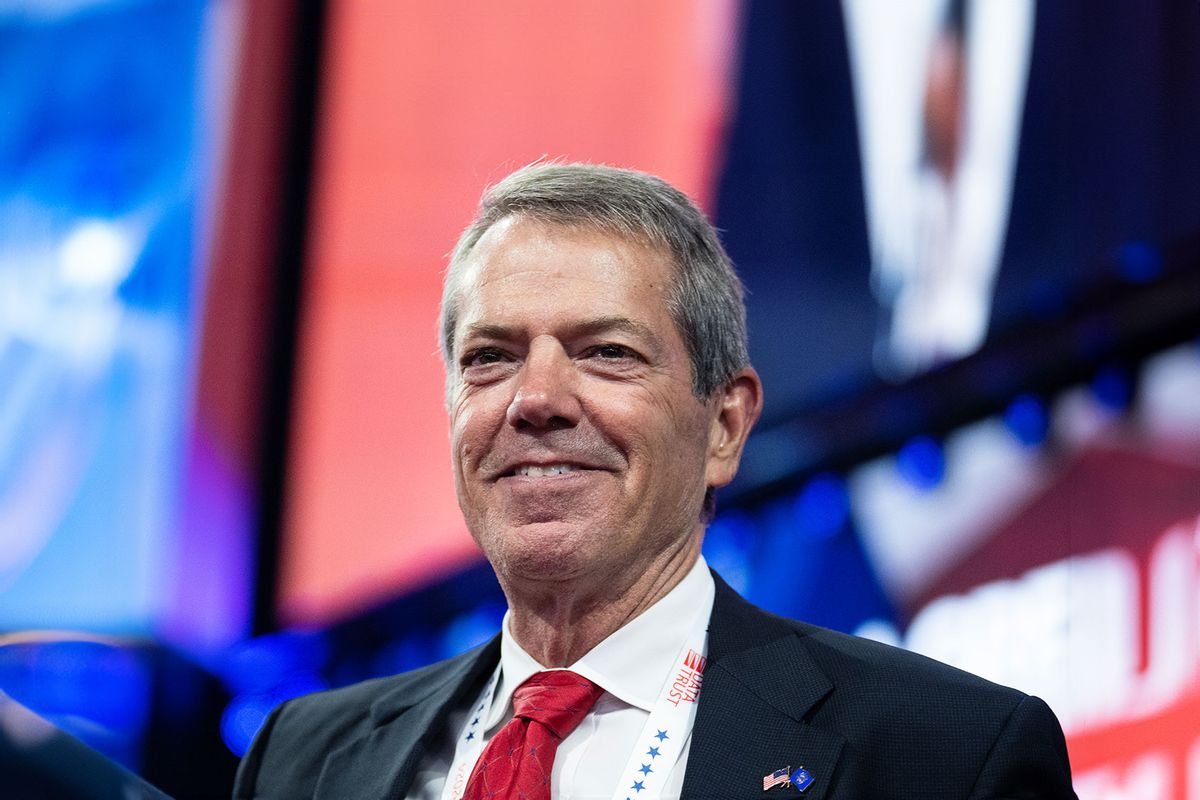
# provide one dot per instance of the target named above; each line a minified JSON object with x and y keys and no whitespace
{"x":801,"y":779}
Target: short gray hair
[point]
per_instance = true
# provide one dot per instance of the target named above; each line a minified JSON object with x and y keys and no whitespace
{"x":705,"y":297}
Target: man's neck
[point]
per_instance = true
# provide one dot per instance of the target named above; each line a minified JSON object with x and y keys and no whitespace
{"x":558,"y":625}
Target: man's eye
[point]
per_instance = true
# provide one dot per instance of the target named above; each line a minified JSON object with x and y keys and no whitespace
{"x":478,"y":358}
{"x":612,"y":351}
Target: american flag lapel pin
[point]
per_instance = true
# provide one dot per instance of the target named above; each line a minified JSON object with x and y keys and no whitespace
{"x":780,"y":777}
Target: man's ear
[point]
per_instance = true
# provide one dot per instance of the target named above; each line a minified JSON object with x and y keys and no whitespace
{"x":736,"y":405}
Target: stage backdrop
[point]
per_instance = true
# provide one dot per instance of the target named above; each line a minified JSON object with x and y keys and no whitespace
{"x":422,"y":107}
{"x":1053,"y":549}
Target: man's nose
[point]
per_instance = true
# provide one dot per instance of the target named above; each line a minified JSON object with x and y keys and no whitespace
{"x":546,"y":395}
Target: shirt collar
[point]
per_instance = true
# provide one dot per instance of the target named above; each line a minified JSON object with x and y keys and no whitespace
{"x":635,"y":660}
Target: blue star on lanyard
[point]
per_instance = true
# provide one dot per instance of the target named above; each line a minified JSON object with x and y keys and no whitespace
{"x":470,"y":736}
{"x":661,"y":735}
{"x":638,"y":786}
{"x":652,"y":752}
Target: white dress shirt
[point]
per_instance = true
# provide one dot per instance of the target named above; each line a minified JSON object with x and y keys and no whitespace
{"x":632,"y":666}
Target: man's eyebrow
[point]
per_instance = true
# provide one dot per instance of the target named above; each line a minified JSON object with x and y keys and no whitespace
{"x":484,"y":330}
{"x":614,"y":323}
{"x":589,"y":327}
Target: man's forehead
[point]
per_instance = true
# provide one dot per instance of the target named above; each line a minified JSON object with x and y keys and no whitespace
{"x":504,"y":232}
{"x":576,"y":281}
{"x":517,"y":244}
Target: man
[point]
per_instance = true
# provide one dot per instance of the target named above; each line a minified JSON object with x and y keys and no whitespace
{"x":599,"y":393}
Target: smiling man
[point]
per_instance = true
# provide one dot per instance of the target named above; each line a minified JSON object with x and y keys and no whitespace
{"x":582,"y":451}
{"x":599,"y":393}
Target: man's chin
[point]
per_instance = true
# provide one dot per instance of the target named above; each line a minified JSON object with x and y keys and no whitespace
{"x":547,"y":550}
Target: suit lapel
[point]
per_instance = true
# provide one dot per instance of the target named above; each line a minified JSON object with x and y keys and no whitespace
{"x":408,"y":723}
{"x":759,"y":684}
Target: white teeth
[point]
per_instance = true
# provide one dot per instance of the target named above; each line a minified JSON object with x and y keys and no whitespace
{"x":538,"y":472}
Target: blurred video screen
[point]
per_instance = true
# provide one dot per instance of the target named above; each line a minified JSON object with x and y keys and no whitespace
{"x":108,"y":141}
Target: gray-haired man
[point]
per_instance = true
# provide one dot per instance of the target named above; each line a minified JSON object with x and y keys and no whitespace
{"x":599,"y":392}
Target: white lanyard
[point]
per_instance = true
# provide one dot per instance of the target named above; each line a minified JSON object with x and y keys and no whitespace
{"x":659,"y":745}
{"x":470,"y":743}
{"x":661,"y":742}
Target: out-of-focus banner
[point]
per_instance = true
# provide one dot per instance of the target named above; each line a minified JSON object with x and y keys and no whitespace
{"x":1107,"y":634}
{"x":1071,"y":571}
{"x":106,"y":148}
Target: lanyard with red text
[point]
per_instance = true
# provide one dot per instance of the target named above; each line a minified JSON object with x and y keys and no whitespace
{"x":661,"y":743}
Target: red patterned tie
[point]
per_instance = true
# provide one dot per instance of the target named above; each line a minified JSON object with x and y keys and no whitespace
{"x":515,"y":765}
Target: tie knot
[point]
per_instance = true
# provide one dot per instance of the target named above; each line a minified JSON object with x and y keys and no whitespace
{"x":559,"y":699}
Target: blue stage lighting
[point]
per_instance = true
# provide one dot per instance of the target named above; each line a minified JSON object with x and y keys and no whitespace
{"x":728,"y":545}
{"x":246,"y":713}
{"x":1139,"y":262}
{"x":259,"y":665}
{"x":241,"y":720}
{"x":471,"y":629}
{"x":922,"y":463}
{"x":1113,"y":387}
{"x":823,"y":507}
{"x":1027,"y":419}
{"x":95,"y":690}
{"x":417,"y":649}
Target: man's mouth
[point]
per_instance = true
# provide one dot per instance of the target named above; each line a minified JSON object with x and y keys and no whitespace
{"x":535,"y":471}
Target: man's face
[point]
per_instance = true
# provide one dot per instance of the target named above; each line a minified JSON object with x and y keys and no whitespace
{"x":580,"y":452}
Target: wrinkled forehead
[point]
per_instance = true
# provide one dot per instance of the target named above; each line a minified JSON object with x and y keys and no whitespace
{"x":499,"y":235}
{"x":565,"y":257}
{"x":514,"y":236}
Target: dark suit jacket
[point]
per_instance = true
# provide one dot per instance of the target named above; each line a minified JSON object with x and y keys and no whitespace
{"x":869,"y":722}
